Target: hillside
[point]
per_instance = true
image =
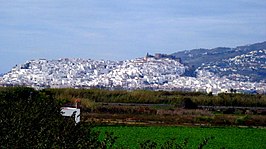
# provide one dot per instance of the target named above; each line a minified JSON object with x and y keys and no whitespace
{"x":245,"y":67}
{"x":207,"y":70}
{"x":196,"y":57}
{"x":136,"y":73}
{"x":225,"y":58}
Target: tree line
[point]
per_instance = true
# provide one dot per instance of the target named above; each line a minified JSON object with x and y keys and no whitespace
{"x":160,"y":97}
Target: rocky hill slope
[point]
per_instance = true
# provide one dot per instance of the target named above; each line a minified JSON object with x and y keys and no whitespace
{"x":246,"y":67}
{"x":245,"y":63}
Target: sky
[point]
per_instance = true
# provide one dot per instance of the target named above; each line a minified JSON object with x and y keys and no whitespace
{"x":123,"y":29}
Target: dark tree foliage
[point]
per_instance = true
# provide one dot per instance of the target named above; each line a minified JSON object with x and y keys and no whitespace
{"x":32,"y":119}
{"x":188,"y":104}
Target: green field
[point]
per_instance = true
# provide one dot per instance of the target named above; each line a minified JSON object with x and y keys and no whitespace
{"x":227,"y":137}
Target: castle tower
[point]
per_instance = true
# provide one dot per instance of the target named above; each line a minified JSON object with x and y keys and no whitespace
{"x":146,"y":57}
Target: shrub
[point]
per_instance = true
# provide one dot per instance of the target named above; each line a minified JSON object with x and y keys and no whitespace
{"x":241,"y":120}
{"x":187,"y":103}
{"x":32,"y":119}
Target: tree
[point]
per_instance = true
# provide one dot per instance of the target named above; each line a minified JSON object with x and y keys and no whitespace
{"x":189,"y":104}
{"x":32,"y":119}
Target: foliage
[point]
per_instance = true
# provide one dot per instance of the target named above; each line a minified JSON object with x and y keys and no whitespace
{"x":32,"y":119}
{"x":205,"y":142}
{"x":170,"y":143}
{"x":188,"y":104}
{"x":188,"y":137}
{"x":148,"y":144}
{"x":162,"y":97}
{"x":242,"y":119}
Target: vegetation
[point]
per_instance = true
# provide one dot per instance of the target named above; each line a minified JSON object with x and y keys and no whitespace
{"x":188,"y":137}
{"x":32,"y":119}
{"x":166,"y":97}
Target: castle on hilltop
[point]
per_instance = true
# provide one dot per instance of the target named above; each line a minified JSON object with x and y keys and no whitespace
{"x":160,"y":56}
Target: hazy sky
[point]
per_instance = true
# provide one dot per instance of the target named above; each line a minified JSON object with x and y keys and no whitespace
{"x":123,"y":29}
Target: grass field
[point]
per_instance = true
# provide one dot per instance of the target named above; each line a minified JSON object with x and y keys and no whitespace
{"x":224,"y":137}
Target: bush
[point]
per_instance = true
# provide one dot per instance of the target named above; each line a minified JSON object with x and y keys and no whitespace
{"x":241,"y":120}
{"x":32,"y":119}
{"x":187,"y":103}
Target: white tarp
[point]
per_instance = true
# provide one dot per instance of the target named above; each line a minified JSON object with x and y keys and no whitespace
{"x":68,"y":111}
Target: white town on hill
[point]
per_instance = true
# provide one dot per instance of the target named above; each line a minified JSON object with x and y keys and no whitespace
{"x":149,"y":72}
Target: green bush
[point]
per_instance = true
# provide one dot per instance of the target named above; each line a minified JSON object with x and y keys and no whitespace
{"x":32,"y":119}
{"x":242,"y":119}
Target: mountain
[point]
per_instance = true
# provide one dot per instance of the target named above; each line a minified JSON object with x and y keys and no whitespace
{"x":246,"y":67}
{"x":224,"y":61}
{"x":208,"y":70}
{"x":197,"y":57}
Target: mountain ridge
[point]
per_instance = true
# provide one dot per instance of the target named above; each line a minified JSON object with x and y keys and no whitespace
{"x":197,"y":57}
